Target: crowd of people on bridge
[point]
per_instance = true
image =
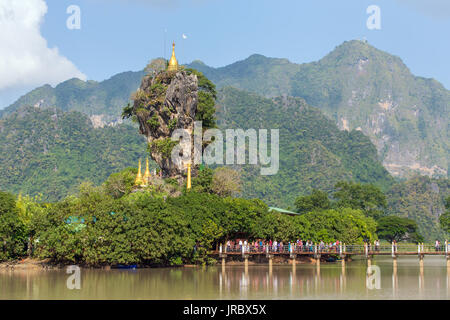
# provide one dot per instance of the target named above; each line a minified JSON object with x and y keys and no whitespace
{"x":275,"y":246}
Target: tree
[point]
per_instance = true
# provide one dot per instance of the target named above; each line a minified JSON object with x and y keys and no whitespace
{"x":318,"y":200}
{"x":121,"y":183}
{"x":155,"y":66}
{"x":207,"y":95}
{"x":12,"y":230}
{"x":203,"y":181}
{"x":226,"y":182}
{"x":399,"y":229}
{"x":444,"y":219}
{"x":367,"y":197}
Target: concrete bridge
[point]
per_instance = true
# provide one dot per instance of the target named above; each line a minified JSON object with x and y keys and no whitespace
{"x":339,"y":252}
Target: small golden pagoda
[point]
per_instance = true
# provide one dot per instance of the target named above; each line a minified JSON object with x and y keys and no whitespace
{"x":189,"y":183}
{"x":173,"y":63}
{"x":139,"y":180}
{"x":147,"y":175}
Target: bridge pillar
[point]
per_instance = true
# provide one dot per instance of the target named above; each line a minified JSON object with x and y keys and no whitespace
{"x":270,"y":256}
{"x":421,"y":263}
{"x":448,"y":264}
{"x":246,"y":261}
{"x":293,"y":256}
{"x":317,"y":259}
{"x":446,"y":249}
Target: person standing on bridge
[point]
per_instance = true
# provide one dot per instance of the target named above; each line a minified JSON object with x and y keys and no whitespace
{"x":437,"y":245}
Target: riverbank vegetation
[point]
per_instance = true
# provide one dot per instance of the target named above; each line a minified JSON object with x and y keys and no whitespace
{"x":163,"y":225}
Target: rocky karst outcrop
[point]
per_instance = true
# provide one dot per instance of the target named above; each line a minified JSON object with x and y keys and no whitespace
{"x":165,"y":102}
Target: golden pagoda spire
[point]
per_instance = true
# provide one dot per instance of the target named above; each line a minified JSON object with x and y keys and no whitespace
{"x":139,"y":181}
{"x":189,"y":184}
{"x":147,"y":175}
{"x":173,"y":63}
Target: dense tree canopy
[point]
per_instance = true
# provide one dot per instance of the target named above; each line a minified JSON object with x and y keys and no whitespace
{"x":12,"y":230}
{"x":445,"y":217}
{"x":318,"y":200}
{"x":399,"y":229}
{"x":366,"y":197}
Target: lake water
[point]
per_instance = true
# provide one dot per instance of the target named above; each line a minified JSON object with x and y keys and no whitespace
{"x":329,"y":281}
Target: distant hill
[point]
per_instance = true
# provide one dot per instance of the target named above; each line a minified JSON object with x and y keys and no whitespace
{"x":363,"y":88}
{"x":356,"y":85}
{"x":314,"y":153}
{"x":421,"y":199}
{"x":102,"y":101}
{"x":50,"y":152}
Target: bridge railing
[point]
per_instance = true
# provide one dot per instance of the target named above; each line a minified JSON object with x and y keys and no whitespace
{"x":338,"y":249}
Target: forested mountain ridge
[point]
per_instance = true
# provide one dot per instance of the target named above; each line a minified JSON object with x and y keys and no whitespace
{"x":356,"y":85}
{"x":363,"y":88}
{"x":50,"y":152}
{"x":314,"y":153}
{"x":101,"y":101}
{"x":421,"y":199}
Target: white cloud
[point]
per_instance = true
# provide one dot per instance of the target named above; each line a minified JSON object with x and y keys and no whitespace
{"x":25,"y":58}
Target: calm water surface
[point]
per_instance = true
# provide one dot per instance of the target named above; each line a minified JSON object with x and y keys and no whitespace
{"x":329,"y":281}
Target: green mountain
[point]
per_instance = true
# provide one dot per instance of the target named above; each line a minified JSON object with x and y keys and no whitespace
{"x":314,"y":153}
{"x":102,"y":101}
{"x":362,"y":88}
{"x":356,"y":85}
{"x":421,"y":199}
{"x":50,"y":152}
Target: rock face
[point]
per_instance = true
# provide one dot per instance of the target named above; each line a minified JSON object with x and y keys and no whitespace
{"x":163,"y":103}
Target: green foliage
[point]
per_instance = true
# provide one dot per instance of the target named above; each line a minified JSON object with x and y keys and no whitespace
{"x":163,"y":147}
{"x":318,"y":200}
{"x":421,"y":199}
{"x":172,"y":123}
{"x":50,"y":152}
{"x":399,"y":229}
{"x":206,"y":100}
{"x":445,"y":217}
{"x":366,"y":197}
{"x":121,"y":183}
{"x":314,"y":153}
{"x":12,"y":229}
{"x":203,"y":181}
{"x":155,"y":66}
{"x":225,"y":182}
{"x":153,"y":122}
{"x":103,"y":227}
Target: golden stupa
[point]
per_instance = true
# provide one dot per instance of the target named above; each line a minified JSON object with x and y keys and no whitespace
{"x":147,"y":175}
{"x":173,"y":63}
{"x":189,"y":183}
{"x":139,"y":181}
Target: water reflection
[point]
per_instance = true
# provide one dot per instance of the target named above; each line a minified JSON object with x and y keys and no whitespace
{"x":405,"y":278}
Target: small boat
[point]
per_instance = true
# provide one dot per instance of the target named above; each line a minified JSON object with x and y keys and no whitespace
{"x":127,"y":266}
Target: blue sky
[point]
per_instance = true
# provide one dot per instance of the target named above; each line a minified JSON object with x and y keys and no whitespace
{"x":122,"y":35}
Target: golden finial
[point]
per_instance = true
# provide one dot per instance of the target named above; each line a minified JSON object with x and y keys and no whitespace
{"x":173,"y":63}
{"x":139,"y":181}
{"x":189,"y":184}
{"x":147,"y":175}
